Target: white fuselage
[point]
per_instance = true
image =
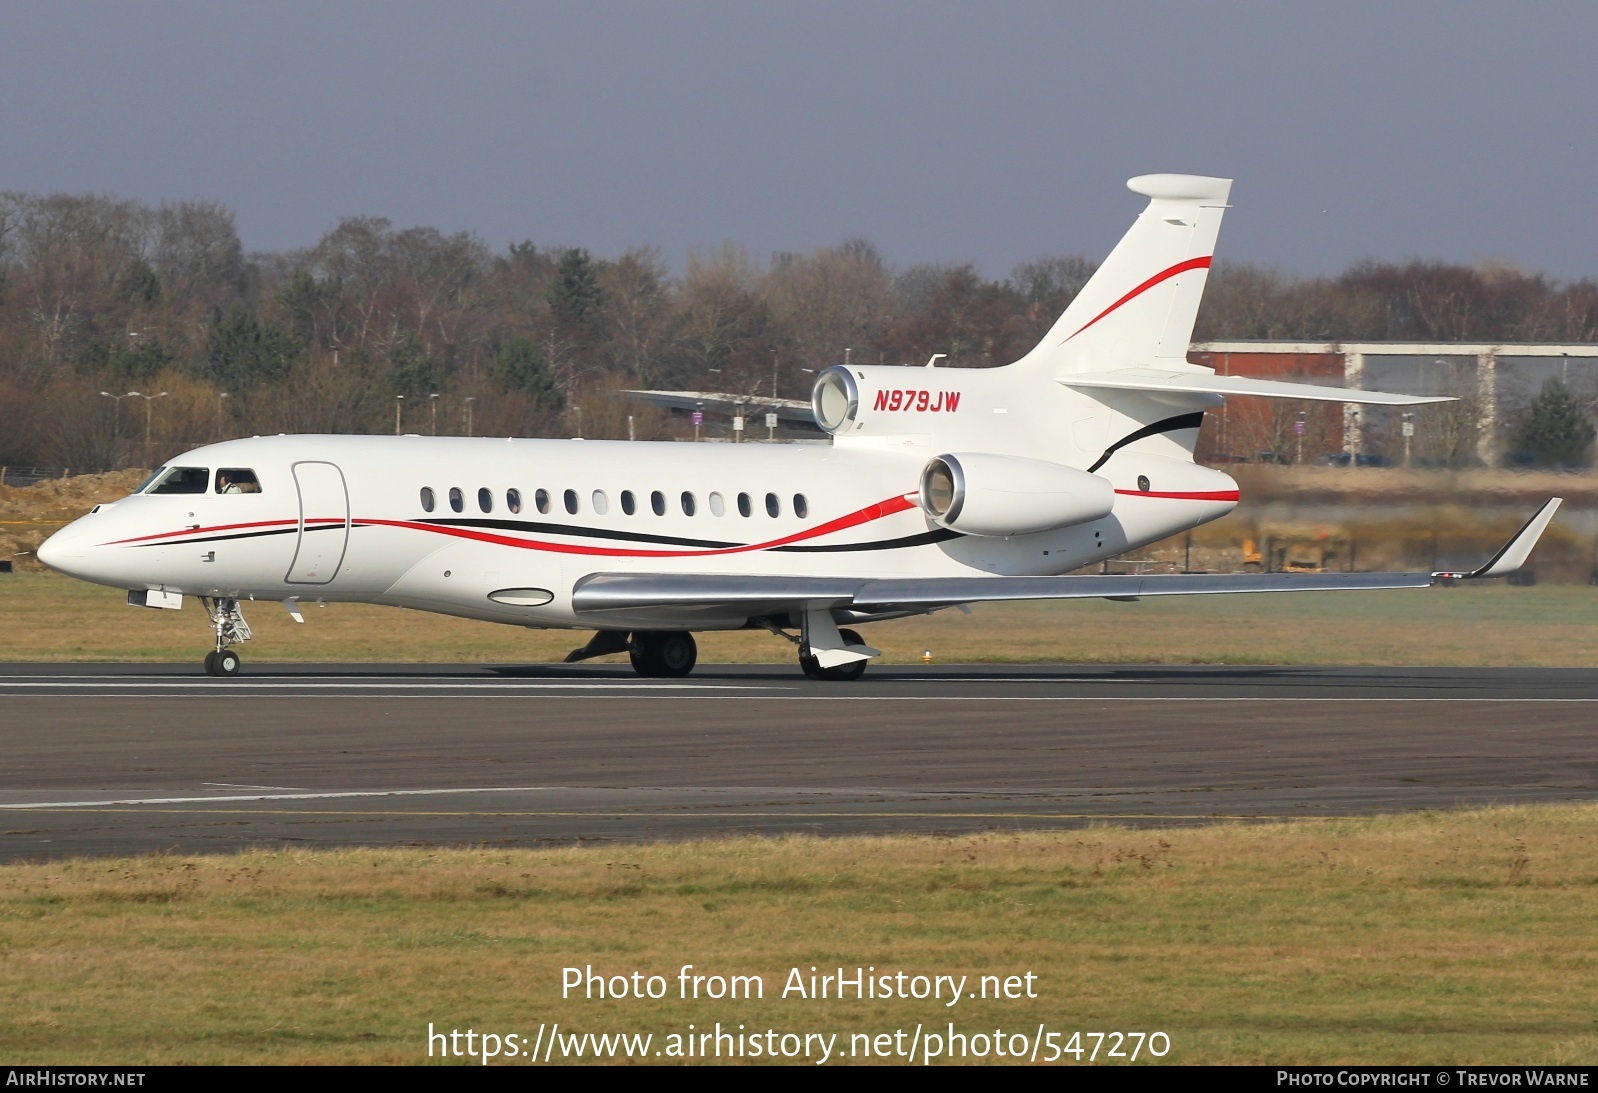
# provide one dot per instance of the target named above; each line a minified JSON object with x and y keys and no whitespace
{"x":343,"y":518}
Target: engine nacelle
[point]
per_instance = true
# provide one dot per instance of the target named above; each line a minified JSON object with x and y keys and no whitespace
{"x":982,"y":494}
{"x":875,"y":401}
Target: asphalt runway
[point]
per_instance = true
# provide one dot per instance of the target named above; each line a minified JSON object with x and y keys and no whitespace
{"x":122,"y":759}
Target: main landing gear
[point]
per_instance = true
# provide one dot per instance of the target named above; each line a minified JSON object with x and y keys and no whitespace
{"x":231,"y":629}
{"x":665,"y":653}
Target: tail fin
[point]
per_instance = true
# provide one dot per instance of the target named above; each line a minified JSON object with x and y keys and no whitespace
{"x":1138,"y":309}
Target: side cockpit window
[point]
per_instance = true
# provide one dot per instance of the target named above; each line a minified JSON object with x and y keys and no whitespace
{"x":183,"y":480}
{"x":237,"y":480}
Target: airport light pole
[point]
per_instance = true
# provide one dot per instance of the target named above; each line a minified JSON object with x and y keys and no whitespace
{"x":1409,"y":434}
{"x":399,"y":401}
{"x":432,"y":400}
{"x":149,"y":401}
{"x":116,"y":421}
{"x":469,"y":400}
{"x":221,"y":402}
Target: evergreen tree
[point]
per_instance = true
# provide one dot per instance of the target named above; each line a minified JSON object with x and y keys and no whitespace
{"x":411,"y":371}
{"x":520,"y":366}
{"x":241,"y":351}
{"x":575,"y":297}
{"x":1554,"y":431}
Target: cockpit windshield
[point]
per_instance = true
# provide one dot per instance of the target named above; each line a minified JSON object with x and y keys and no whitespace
{"x":183,"y":480}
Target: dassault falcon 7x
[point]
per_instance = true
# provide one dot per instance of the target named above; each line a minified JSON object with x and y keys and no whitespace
{"x":941,"y":486}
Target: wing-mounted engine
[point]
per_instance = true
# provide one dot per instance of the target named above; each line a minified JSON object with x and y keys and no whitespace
{"x":983,"y":494}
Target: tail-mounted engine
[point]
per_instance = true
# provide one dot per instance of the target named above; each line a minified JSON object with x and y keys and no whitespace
{"x":875,"y":400}
{"x":982,"y":494}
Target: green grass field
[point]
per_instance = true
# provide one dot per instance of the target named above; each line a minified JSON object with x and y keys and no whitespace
{"x":1432,"y":938}
{"x":45,"y":617}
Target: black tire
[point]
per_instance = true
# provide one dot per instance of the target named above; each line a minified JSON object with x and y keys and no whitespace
{"x":210,"y":663}
{"x":676,"y":653}
{"x":845,"y":673}
{"x":228,"y":663}
{"x":641,"y":651}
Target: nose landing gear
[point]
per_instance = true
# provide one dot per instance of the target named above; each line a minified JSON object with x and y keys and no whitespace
{"x":231,"y":629}
{"x":843,"y":673}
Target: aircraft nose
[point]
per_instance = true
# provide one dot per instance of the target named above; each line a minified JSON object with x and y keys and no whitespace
{"x":61,"y":550}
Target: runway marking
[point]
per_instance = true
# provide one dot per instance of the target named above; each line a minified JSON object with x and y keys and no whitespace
{"x":306,"y":796}
{"x":607,"y":695}
{"x":236,"y":785}
{"x":234,"y":685}
{"x":718,"y":814}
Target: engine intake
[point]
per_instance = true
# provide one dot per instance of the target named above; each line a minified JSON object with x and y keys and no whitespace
{"x":982,"y":494}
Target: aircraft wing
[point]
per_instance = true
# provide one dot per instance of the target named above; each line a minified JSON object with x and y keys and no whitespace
{"x":686,"y":595}
{"x":713,"y":595}
{"x":1204,"y":382}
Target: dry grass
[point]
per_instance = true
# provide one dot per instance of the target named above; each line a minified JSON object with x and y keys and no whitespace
{"x":45,"y":617}
{"x":1435,"y":938}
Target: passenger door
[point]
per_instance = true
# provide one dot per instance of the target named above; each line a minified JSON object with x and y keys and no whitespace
{"x":324,"y":523}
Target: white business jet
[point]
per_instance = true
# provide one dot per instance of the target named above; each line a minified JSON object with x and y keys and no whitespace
{"x":942,"y":486}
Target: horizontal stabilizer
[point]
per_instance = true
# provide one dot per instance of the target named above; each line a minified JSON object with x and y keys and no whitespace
{"x":1197,"y":382}
{"x":789,"y":411}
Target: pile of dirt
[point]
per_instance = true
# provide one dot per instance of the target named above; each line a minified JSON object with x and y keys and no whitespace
{"x":28,"y":514}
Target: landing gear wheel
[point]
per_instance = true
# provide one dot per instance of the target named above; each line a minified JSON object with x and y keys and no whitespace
{"x":670,"y":654}
{"x":678,"y":653}
{"x":210,"y":663}
{"x":640,"y":651}
{"x":843,"y":673}
{"x":227,"y":663}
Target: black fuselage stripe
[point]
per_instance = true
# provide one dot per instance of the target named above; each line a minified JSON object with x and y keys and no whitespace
{"x":937,"y":535}
{"x":1168,"y":425}
{"x":925,"y":538}
{"x":245,"y":535}
{"x":577,"y":530}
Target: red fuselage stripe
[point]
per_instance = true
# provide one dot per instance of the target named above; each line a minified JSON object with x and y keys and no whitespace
{"x":854,"y":519}
{"x":206,"y":531}
{"x":1163,"y":275}
{"x":1200,"y":495}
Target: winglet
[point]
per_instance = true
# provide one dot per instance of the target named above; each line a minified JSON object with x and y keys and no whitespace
{"x":1512,"y":555}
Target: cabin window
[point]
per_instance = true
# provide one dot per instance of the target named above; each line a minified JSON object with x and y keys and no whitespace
{"x":744,"y":508}
{"x":513,"y":499}
{"x":628,"y":504}
{"x":773,"y":506}
{"x":688,"y":504}
{"x":801,"y":507}
{"x":657,"y":501}
{"x":428,"y":500}
{"x":718,"y":505}
{"x":541,"y":501}
{"x":184,"y":480}
{"x":237,"y":480}
{"x":601,"y":503}
{"x":570,"y":498}
{"x":457,"y":499}
{"x":485,"y":499}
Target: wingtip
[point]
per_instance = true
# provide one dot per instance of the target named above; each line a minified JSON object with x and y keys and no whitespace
{"x":1513,"y":554}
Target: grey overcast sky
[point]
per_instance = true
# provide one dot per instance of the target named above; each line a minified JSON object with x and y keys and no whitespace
{"x":995,"y":132}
